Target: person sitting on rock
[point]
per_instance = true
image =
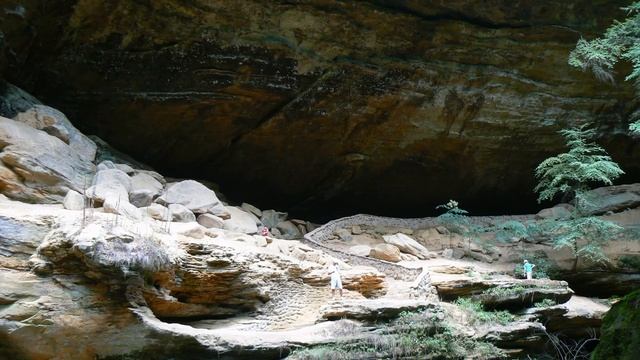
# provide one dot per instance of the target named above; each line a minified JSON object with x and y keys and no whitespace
{"x":336,"y":281}
{"x":528,"y":269}
{"x":264,"y":231}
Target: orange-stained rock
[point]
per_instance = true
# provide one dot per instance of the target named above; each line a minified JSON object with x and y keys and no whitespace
{"x":372,"y":104}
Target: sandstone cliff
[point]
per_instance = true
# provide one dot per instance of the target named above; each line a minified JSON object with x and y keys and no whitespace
{"x":316,"y":103}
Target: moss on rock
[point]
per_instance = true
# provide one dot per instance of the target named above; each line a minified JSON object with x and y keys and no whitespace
{"x":620,"y":337}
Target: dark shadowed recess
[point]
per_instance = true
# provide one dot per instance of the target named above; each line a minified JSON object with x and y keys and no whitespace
{"x":381,"y":107}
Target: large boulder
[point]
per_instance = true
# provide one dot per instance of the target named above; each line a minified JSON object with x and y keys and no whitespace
{"x":251,"y":209}
{"x":110,"y":183}
{"x":180,"y":213}
{"x":505,"y":293}
{"x":194,"y":196}
{"x":271,"y":218}
{"x":407,"y":245}
{"x":603,"y":282}
{"x":144,"y":188}
{"x":210,"y":221}
{"x":386,"y":252}
{"x":613,"y":198}
{"x":55,"y":123}
{"x":122,"y":207}
{"x":157,"y":212}
{"x":360,"y":250}
{"x":240,"y":221}
{"x":38,"y":167}
{"x":74,"y":201}
{"x":371,"y":310}
{"x":145,"y":181}
{"x":289,"y":230}
{"x":558,"y":212}
{"x":515,"y":335}
{"x":620,"y":333}
{"x":575,"y":318}
{"x":14,"y":100}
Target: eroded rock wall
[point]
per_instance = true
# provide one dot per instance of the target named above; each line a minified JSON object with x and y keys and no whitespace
{"x":318,"y":103}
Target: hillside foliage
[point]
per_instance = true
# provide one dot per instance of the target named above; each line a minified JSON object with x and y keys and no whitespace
{"x":620,"y":42}
{"x":573,"y":172}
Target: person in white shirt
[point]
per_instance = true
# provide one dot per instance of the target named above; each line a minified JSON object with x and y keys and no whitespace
{"x":336,"y":282}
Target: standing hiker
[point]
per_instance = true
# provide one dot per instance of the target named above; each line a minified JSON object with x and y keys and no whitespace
{"x":336,"y":281}
{"x":528,"y":269}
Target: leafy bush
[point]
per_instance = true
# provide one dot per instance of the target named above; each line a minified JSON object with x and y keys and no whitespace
{"x":543,"y":269}
{"x":571,"y":174}
{"x":505,"y":291}
{"x":456,"y":221}
{"x":585,"y":237}
{"x":629,"y":262}
{"x":621,"y":41}
{"x":481,"y":315}
{"x":544,"y":303}
{"x":412,"y":335}
{"x":512,"y":229}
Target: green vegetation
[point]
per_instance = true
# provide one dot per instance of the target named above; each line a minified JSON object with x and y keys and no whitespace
{"x":506,"y":291}
{"x":620,"y":333}
{"x":571,"y":174}
{"x":585,"y":237}
{"x":456,"y":221}
{"x":454,"y":218}
{"x":630,"y":262}
{"x":412,"y":335}
{"x":513,"y":230}
{"x":543,"y":269}
{"x":544,"y":303}
{"x":481,"y":315}
{"x":621,"y":41}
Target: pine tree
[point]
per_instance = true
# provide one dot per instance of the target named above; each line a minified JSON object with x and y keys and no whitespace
{"x":456,"y":221}
{"x":571,"y":174}
{"x":621,"y":41}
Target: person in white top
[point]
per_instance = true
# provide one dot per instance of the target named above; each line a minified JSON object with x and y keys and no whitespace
{"x":336,"y":282}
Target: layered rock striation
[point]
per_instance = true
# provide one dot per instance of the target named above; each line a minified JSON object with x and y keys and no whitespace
{"x":314,"y":103}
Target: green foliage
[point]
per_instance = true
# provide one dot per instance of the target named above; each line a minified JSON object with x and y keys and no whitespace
{"x":456,"y":221}
{"x":544,"y":303}
{"x":630,"y":262}
{"x":543,"y":269}
{"x":572,"y":172}
{"x":516,"y":230}
{"x":505,"y":291}
{"x":412,"y":335}
{"x":481,"y":315}
{"x":454,"y":218}
{"x":585,"y":237}
{"x":621,"y":41}
{"x":620,"y":333}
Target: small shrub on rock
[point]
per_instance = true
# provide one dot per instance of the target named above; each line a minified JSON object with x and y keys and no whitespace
{"x":481,"y":315}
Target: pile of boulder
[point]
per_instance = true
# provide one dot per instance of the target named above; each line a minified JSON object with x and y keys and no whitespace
{"x":135,"y":193}
{"x":393,"y":247}
{"x":45,"y":159}
{"x":395,"y":244}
